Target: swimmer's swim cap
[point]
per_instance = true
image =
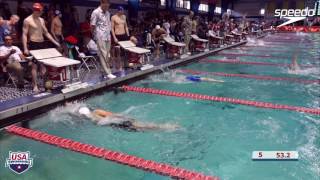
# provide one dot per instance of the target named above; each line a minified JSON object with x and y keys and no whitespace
{"x":37,"y":7}
{"x":194,"y":78}
{"x":84,"y":111}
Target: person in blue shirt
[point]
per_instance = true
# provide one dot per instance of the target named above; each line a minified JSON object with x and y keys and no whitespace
{"x":201,"y":79}
{"x":2,"y":31}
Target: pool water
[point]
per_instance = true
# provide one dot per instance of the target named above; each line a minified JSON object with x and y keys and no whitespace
{"x":214,"y":138}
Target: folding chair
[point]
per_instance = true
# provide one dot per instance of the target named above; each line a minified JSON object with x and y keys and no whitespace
{"x":86,"y":59}
{"x":11,"y":79}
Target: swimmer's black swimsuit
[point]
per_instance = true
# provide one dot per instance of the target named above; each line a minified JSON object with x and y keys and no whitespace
{"x":127,"y":125}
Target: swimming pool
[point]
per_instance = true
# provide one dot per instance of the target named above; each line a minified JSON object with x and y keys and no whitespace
{"x":214,"y":138}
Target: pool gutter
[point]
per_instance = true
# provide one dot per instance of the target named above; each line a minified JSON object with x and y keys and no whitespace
{"x":9,"y":116}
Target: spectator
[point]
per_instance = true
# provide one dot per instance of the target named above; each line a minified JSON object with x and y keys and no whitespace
{"x":9,"y":26}
{"x":157,"y":35}
{"x":11,"y":56}
{"x":2,"y":31}
{"x":187,"y":29}
{"x":23,"y":12}
{"x":101,"y":27}
{"x":33,"y":30}
{"x":56,"y":27}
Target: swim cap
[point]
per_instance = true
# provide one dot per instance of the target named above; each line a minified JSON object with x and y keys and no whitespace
{"x":158,"y":27}
{"x":120,"y":8}
{"x":194,"y":78}
{"x":84,"y":111}
{"x":57,"y":12}
{"x":37,"y":7}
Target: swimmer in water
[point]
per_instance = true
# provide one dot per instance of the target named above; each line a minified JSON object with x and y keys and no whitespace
{"x":294,"y":66}
{"x":102,"y":117}
{"x":202,"y":79}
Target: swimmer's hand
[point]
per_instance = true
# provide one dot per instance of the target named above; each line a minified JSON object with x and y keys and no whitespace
{"x":26,"y":52}
{"x":12,"y":51}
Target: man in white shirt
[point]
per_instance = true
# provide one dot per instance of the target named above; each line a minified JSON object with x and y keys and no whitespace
{"x":101,"y":27}
{"x":11,"y":56}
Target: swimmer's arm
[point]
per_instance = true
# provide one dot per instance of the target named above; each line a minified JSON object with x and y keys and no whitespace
{"x":149,"y":126}
{"x":144,"y":127}
{"x":211,"y":80}
{"x":25,"y":30}
{"x":48,"y":35}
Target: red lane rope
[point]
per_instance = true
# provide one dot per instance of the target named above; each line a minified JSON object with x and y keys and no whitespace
{"x":287,"y":40}
{"x":221,"y":99}
{"x":121,"y":158}
{"x":251,"y":76}
{"x":253,"y":55}
{"x":278,"y":46}
{"x":259,"y":56}
{"x":235,"y":61}
{"x":263,"y":50}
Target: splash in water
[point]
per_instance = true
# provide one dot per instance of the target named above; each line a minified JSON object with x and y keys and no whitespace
{"x":171,"y":76}
{"x":311,"y":151}
{"x":314,"y":72}
{"x":255,"y":42}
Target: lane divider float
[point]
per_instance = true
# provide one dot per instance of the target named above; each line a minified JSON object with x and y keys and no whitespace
{"x":261,"y":56}
{"x":257,"y":104}
{"x":251,"y":76}
{"x":268,"y":46}
{"x":235,"y":61}
{"x":252,"y":55}
{"x":121,"y":158}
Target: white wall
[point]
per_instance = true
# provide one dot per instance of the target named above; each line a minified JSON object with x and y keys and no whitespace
{"x":81,"y":9}
{"x":249,"y":7}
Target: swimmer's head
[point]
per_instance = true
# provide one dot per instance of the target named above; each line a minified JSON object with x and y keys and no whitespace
{"x":58,"y":13}
{"x":120,"y":8}
{"x":158,"y":27}
{"x":84,"y":111}
{"x":37,"y":9}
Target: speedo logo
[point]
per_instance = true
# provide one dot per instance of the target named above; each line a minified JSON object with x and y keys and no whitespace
{"x":295,"y":15}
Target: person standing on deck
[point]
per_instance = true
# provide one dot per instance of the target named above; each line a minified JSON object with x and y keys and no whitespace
{"x":187,"y":28}
{"x":101,"y":28}
{"x":120,"y":32}
{"x":32,"y":38}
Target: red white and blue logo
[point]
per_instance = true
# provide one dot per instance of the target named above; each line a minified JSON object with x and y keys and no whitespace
{"x":19,"y":162}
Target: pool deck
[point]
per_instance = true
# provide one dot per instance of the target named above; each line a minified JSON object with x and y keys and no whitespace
{"x":13,"y":111}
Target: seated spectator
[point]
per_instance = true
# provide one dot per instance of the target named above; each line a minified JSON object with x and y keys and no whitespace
{"x":10,"y":57}
{"x":2,"y":31}
{"x":71,"y":42}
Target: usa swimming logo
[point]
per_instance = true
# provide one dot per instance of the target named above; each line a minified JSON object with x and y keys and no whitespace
{"x":19,"y":162}
{"x":295,"y":15}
